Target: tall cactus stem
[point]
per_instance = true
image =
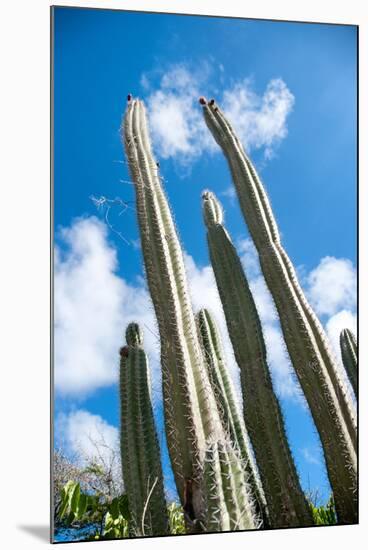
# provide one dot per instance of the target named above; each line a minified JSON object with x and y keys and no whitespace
{"x":263,"y":417}
{"x":349,"y":354}
{"x":312,"y":359}
{"x":228,"y":505}
{"x":191,"y":416}
{"x":140,"y":452}
{"x":227,"y":405}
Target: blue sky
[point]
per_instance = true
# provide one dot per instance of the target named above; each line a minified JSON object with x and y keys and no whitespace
{"x":290,"y":91}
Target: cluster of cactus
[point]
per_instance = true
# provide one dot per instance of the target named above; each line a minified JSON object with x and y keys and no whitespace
{"x":231,"y":472}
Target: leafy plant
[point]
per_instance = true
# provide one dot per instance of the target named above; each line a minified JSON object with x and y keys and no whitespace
{"x":324,"y":515}
{"x":108,"y":519}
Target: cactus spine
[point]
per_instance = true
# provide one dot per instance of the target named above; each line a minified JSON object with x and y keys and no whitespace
{"x":227,"y":506}
{"x":349,"y":354}
{"x":140,"y":450}
{"x":304,"y":336}
{"x":228,"y":406}
{"x":263,"y":418}
{"x":191,"y":417}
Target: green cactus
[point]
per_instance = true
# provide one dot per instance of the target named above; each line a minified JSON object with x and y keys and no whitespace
{"x":140,"y":450}
{"x":263,"y":417}
{"x":227,"y":405}
{"x":328,"y":399}
{"x":227,"y":506}
{"x":191,"y":416}
{"x":349,"y":354}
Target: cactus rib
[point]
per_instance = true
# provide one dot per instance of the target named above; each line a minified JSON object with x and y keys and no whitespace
{"x":349,"y":354}
{"x":285,"y":499}
{"x":191,"y":416}
{"x":307,"y":345}
{"x":141,"y":462}
{"x":227,"y":405}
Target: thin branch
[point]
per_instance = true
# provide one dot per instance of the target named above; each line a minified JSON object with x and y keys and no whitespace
{"x":146,"y":504}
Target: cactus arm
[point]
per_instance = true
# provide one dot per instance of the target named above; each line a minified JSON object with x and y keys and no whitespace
{"x":141,"y":462}
{"x":318,"y":332}
{"x":349,"y":354}
{"x":217,"y":515}
{"x":189,"y":404}
{"x":306,"y":343}
{"x":176,"y":375}
{"x":228,"y":504}
{"x":235,"y":489}
{"x":263,"y":418}
{"x":263,"y":228}
{"x":228,"y":406}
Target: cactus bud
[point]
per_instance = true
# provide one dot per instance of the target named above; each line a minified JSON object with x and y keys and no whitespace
{"x":134,"y":335}
{"x":212,"y":209}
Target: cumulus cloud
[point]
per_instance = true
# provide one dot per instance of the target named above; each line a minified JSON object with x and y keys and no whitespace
{"x":177,"y":125}
{"x":260,"y":121}
{"x":88,"y":437}
{"x":332,"y":286}
{"x":93,"y":305}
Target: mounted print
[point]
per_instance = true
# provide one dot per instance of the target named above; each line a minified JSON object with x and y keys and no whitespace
{"x":204,"y":274}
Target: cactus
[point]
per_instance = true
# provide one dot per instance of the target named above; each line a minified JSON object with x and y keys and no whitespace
{"x":349,"y":354}
{"x":228,"y":406}
{"x":191,"y":416}
{"x":304,"y":336}
{"x":140,"y":452}
{"x":227,"y":506}
{"x":285,"y":499}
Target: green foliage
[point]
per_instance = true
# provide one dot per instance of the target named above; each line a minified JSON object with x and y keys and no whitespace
{"x":78,"y":508}
{"x":112,"y":519}
{"x":324,"y":515}
{"x":176,"y":519}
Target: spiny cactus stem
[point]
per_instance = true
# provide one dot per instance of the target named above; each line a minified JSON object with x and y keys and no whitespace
{"x":349,"y":354}
{"x":262,"y":225}
{"x":313,"y":362}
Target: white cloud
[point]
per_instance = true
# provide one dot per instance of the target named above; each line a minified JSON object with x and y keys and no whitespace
{"x":260,"y":121}
{"x":88,"y":437}
{"x":92,"y":309}
{"x":332,"y":286}
{"x":176,"y":121}
{"x":177,"y":125}
{"x":312,"y":456}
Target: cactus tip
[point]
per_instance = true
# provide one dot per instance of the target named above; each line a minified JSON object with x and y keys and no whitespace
{"x":134,"y":335}
{"x":211,"y":102}
{"x":129,"y":97}
{"x":202,"y":100}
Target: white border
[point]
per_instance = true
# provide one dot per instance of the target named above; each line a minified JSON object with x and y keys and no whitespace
{"x":24,"y":301}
